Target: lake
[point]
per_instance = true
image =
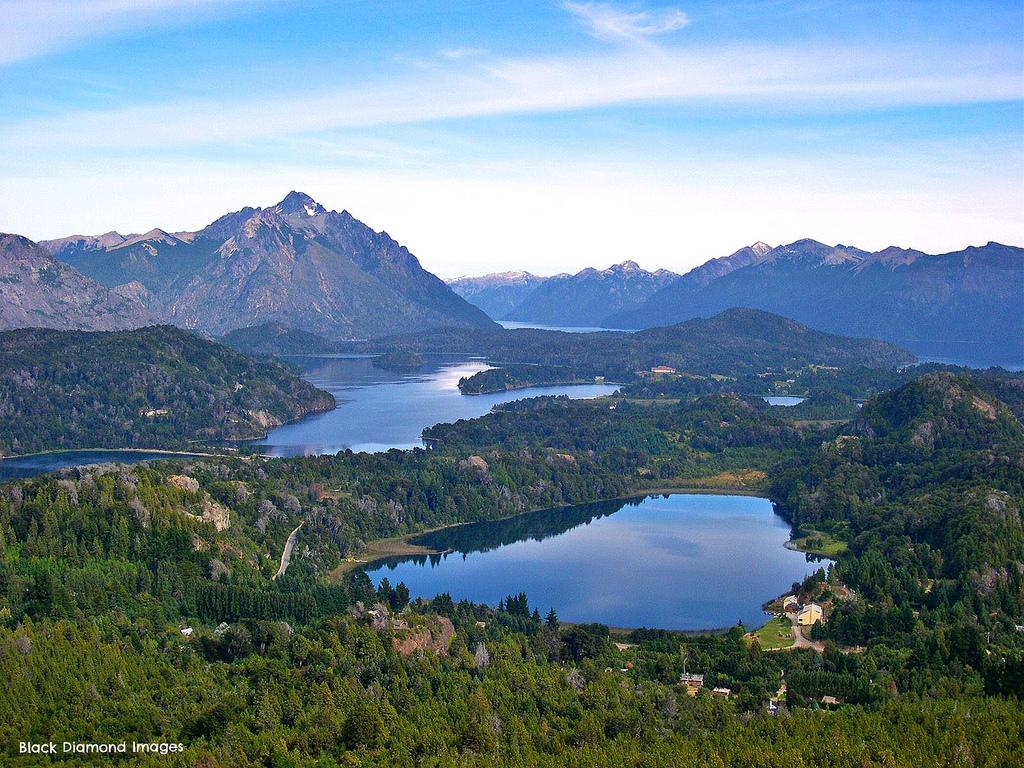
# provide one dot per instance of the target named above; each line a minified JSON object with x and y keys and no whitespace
{"x":784,"y":400}
{"x":377,"y":409}
{"x":514,"y":324}
{"x":684,"y":561}
{"x":380,"y":409}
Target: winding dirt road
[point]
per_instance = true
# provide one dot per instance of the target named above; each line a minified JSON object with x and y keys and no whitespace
{"x":286,"y":556}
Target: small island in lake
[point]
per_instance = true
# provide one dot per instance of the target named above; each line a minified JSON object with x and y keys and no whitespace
{"x":399,"y":360}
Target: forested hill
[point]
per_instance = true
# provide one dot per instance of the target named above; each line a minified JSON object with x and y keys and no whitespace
{"x":735,"y":341}
{"x":153,"y":387}
{"x":926,"y":485}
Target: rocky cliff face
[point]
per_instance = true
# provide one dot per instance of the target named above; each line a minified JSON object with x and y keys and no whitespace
{"x":36,"y":290}
{"x":295,"y":264}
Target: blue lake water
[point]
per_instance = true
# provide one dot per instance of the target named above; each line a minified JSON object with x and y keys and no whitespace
{"x":684,"y":561}
{"x":381,"y":409}
{"x":786,"y":400}
{"x":377,"y":410}
{"x":514,"y":324}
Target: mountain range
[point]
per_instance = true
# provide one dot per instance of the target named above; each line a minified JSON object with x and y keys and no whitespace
{"x":499,"y":293}
{"x":295,"y":264}
{"x":971,"y":300}
{"x":297,"y":267}
{"x":583,"y":299}
{"x":966,"y":305}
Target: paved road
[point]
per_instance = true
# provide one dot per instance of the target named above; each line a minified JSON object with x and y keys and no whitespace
{"x":286,"y":556}
{"x":799,"y":641}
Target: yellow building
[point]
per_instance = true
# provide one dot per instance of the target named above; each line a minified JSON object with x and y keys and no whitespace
{"x":810,"y":614}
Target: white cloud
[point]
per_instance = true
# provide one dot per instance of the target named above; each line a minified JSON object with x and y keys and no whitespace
{"x":763,"y":77}
{"x":461,"y":52}
{"x":31,"y":28}
{"x":606,"y":21}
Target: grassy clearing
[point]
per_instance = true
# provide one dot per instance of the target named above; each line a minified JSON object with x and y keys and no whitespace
{"x":775,"y":635}
{"x":819,"y":543}
{"x":396,"y":546}
{"x":751,"y":479}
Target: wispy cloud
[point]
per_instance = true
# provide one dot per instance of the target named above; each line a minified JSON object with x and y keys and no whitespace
{"x":606,"y":21}
{"x":461,"y":52}
{"x":32,"y":28}
{"x":837,"y":78}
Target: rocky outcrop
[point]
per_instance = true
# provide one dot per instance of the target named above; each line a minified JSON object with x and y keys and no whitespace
{"x":209,"y":510}
{"x":184,"y":482}
{"x":435,"y":636}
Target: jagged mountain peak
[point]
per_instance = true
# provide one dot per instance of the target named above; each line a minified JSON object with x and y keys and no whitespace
{"x":626,"y":266}
{"x":300,"y":204}
{"x":813,"y":251}
{"x":494,"y":278}
{"x":585,"y":298}
{"x":296,"y":263}
{"x":155,"y":235}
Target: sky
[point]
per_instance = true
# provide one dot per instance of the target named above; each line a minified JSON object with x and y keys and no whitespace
{"x":547,"y":136}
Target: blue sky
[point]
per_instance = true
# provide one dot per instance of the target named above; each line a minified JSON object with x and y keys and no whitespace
{"x":546,"y":136}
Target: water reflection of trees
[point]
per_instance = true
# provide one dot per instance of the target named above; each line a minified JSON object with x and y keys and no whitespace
{"x":535,"y":526}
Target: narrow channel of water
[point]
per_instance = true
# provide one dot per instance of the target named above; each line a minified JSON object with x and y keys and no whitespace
{"x":381,"y":409}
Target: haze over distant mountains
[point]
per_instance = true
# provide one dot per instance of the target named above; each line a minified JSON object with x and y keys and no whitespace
{"x":970,"y":302}
{"x":499,"y":293}
{"x":296,"y":264}
{"x":297,"y":268}
{"x":583,"y":299}
{"x":973,"y":297}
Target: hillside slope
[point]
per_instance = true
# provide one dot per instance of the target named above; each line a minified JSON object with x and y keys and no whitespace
{"x":38,"y":291}
{"x":153,"y":387}
{"x":733,"y":342}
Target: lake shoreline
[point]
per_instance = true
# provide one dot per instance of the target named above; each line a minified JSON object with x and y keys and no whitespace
{"x":165,"y":451}
{"x":402,"y":546}
{"x":410,"y":551}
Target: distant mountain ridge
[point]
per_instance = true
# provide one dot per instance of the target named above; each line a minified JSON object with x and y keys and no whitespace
{"x":498,"y":293}
{"x":974,"y":296}
{"x":296,"y":264}
{"x":582,"y":299}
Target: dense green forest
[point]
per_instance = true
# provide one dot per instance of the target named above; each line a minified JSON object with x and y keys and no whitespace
{"x":102,"y":568}
{"x":518,"y":377}
{"x":152,"y":387}
{"x":734,"y":342}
